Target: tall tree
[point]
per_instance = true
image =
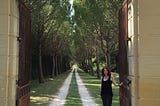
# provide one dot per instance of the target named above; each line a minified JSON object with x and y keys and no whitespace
{"x":50,"y":31}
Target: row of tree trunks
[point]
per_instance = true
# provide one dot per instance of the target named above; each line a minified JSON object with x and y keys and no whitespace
{"x":87,"y":65}
{"x":49,"y":66}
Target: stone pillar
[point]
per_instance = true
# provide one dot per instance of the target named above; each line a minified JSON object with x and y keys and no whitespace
{"x":133,"y":34}
{"x":149,"y":53}
{"x":144,"y":52}
{"x":9,"y":29}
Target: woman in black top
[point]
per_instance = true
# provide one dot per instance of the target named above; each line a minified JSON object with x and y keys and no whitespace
{"x":106,"y":86}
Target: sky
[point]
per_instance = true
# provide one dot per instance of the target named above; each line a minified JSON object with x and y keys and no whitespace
{"x":72,"y":9}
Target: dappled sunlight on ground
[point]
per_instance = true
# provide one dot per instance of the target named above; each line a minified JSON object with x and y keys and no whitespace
{"x":39,"y":99}
{"x":51,"y":79}
{"x":33,"y":91}
{"x":97,"y":85}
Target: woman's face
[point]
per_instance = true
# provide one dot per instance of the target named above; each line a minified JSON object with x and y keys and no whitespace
{"x":105,"y":71}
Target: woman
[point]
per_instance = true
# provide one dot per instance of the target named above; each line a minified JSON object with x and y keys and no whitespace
{"x":106,"y":86}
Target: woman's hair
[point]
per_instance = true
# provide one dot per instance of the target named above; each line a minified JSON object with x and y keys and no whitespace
{"x":109,"y":72}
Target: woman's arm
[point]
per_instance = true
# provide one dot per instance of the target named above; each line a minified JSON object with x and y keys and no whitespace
{"x":114,"y":81}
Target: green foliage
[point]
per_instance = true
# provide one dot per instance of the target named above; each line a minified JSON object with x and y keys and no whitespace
{"x":89,"y":31}
{"x":51,"y":32}
{"x":96,"y":27}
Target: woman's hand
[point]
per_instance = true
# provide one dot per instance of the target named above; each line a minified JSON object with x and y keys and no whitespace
{"x":120,"y":84}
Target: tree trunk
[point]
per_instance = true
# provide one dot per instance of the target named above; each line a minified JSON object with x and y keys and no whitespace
{"x":58,"y":66}
{"x":90,"y":64}
{"x":97,"y":64}
{"x":85,"y":66}
{"x":53,"y":65}
{"x":108,"y":58}
{"x":40,"y":65}
{"x":56,"y":73}
{"x":61,"y":65}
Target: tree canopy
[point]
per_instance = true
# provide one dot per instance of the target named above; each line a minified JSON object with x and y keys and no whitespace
{"x":81,"y":31}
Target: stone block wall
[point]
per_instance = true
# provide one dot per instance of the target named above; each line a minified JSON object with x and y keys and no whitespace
{"x":9,"y":29}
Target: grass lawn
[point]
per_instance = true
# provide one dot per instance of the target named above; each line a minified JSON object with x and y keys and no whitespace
{"x":42,"y":94}
{"x":93,"y":85}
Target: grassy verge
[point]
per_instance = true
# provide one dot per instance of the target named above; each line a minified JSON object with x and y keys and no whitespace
{"x":42,"y":94}
{"x":93,"y":85}
{"x":73,"y":97}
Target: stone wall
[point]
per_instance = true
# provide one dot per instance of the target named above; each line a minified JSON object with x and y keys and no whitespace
{"x":133,"y":50}
{"x":149,"y":52}
{"x":144,"y":52}
{"x":9,"y":20}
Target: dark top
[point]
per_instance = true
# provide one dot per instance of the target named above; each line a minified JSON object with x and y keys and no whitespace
{"x":106,"y":87}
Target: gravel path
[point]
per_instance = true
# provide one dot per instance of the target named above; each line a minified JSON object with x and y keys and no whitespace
{"x":86,"y":99}
{"x":59,"y":100}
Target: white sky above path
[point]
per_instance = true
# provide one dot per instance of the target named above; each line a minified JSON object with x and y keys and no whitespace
{"x":71,"y":9}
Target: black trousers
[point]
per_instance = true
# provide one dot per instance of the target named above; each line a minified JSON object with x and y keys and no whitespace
{"x":107,"y":100}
